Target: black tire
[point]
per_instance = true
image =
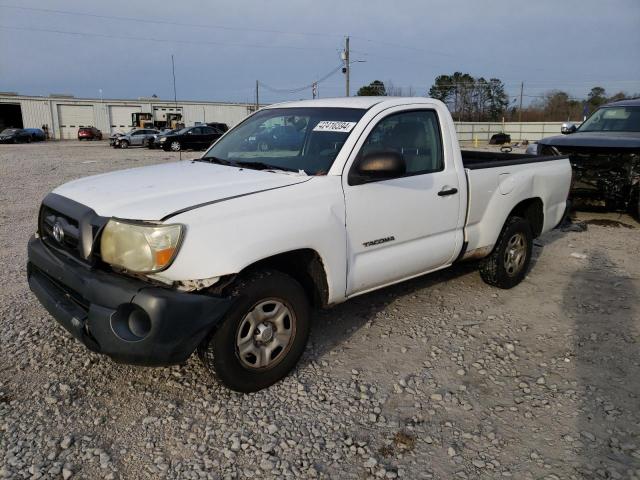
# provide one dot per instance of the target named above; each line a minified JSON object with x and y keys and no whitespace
{"x":124,"y":144}
{"x":220,"y":353}
{"x":175,"y":146}
{"x":498,"y":268}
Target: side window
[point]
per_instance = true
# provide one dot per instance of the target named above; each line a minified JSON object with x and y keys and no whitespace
{"x":196,"y":131}
{"x":415,"y":135}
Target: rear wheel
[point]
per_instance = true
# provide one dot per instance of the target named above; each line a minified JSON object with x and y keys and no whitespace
{"x":507,"y":264}
{"x":263,"y":335}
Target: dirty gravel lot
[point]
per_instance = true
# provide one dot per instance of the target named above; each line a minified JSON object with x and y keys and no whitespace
{"x":441,"y":377}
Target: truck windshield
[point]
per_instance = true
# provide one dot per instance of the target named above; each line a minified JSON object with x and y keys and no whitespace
{"x":613,"y":119}
{"x":306,"y":139}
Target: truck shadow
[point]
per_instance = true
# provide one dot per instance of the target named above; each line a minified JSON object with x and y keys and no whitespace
{"x":606,"y":367}
{"x":334,"y":326}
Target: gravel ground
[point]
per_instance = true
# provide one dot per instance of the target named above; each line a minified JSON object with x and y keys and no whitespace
{"x":440,"y":377}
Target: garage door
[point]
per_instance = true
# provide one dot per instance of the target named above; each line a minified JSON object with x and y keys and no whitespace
{"x":72,"y":117}
{"x":120,"y":117}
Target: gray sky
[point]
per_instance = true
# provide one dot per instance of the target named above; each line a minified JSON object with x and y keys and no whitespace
{"x":221,"y":48}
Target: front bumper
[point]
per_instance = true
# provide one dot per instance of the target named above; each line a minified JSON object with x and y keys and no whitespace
{"x":129,"y":320}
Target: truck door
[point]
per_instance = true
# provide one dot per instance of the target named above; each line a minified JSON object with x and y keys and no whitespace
{"x":404,"y":226}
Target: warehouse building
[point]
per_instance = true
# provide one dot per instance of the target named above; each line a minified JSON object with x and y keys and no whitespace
{"x":64,"y":114}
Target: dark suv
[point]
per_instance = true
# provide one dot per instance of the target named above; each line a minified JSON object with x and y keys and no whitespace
{"x":89,"y":133}
{"x":605,"y":156}
{"x":195,"y":138}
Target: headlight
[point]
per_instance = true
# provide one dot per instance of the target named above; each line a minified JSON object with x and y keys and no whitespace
{"x":138,"y":247}
{"x":163,"y":139}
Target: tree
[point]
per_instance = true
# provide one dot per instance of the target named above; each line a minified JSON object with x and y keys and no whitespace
{"x":375,"y":88}
{"x":596,"y":98}
{"x":470,"y":98}
{"x":617,"y":96}
{"x":395,"y":91}
{"x":557,"y":105}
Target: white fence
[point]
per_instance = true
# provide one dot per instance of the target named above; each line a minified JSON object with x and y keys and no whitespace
{"x":482,"y":131}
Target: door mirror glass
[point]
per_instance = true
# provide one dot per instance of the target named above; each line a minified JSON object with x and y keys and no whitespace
{"x":376,"y":166}
{"x":568,"y":128}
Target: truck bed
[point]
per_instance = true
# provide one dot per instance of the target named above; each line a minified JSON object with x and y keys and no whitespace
{"x":474,"y":159}
{"x":497,"y":182}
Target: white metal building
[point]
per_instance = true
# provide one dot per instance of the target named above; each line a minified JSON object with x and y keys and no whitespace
{"x":64,"y":114}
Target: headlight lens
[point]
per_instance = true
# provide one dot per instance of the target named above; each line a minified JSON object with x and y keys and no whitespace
{"x":163,"y":139}
{"x":140,"y":248}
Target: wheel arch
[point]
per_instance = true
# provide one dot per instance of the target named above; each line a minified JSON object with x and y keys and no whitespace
{"x":304,"y":265}
{"x":532,"y":210}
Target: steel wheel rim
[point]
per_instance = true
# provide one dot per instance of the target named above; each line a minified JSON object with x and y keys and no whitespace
{"x":515,"y":254}
{"x":175,"y":146}
{"x":265,"y":334}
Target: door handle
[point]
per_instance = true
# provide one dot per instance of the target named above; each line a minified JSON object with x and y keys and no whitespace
{"x":447,"y":191}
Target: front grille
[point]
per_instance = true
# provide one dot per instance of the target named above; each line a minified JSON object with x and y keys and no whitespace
{"x":70,"y":227}
{"x":71,"y":238}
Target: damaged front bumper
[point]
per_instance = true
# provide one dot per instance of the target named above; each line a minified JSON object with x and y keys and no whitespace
{"x":127,"y":319}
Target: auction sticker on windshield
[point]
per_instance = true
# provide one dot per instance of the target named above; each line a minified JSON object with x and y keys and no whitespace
{"x":334,"y":126}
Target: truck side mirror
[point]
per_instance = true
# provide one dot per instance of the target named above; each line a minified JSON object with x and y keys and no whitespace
{"x":377,"y":166}
{"x":568,"y":128}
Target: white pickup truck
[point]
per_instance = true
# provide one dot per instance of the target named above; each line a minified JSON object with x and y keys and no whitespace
{"x":304,"y":203}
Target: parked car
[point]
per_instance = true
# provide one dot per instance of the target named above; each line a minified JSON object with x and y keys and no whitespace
{"x":226,"y":254}
{"x":137,"y":137}
{"x":154,"y":140}
{"x":223,"y":127}
{"x":274,"y":138}
{"x":605,"y":156}
{"x":15,"y":135}
{"x":195,"y":138}
{"x":114,"y":136}
{"x":89,"y":133}
{"x":37,"y":134}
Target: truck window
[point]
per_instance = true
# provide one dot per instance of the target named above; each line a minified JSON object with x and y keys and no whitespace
{"x":415,"y":135}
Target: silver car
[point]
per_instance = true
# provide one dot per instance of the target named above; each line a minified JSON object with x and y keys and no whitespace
{"x":138,"y":137}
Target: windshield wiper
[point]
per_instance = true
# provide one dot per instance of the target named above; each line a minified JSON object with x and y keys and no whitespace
{"x":218,"y":161}
{"x":263,"y":166}
{"x":244,"y":164}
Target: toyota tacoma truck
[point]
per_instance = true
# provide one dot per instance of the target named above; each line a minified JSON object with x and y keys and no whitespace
{"x":227,"y":254}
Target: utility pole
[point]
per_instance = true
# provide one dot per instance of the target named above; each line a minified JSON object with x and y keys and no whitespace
{"x":520,"y":109}
{"x":173,"y":71}
{"x":257,"y":95}
{"x":175,"y":95}
{"x":346,"y":63}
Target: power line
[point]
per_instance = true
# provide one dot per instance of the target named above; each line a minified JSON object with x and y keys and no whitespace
{"x":300,"y":89}
{"x":167,"y":22}
{"x":151,"y":39}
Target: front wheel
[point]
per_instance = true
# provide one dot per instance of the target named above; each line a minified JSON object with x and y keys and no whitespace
{"x":124,"y":144}
{"x":507,"y":264}
{"x":175,"y":146}
{"x":263,"y":335}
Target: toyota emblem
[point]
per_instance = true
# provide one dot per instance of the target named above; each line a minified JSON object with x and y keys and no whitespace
{"x":58,"y":232}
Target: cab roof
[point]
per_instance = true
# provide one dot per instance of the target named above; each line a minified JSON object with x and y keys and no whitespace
{"x":364,"y":103}
{"x":629,"y":102}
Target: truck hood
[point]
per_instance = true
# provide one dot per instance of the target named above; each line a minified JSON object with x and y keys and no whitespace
{"x":158,"y":191}
{"x":594,"y":140}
